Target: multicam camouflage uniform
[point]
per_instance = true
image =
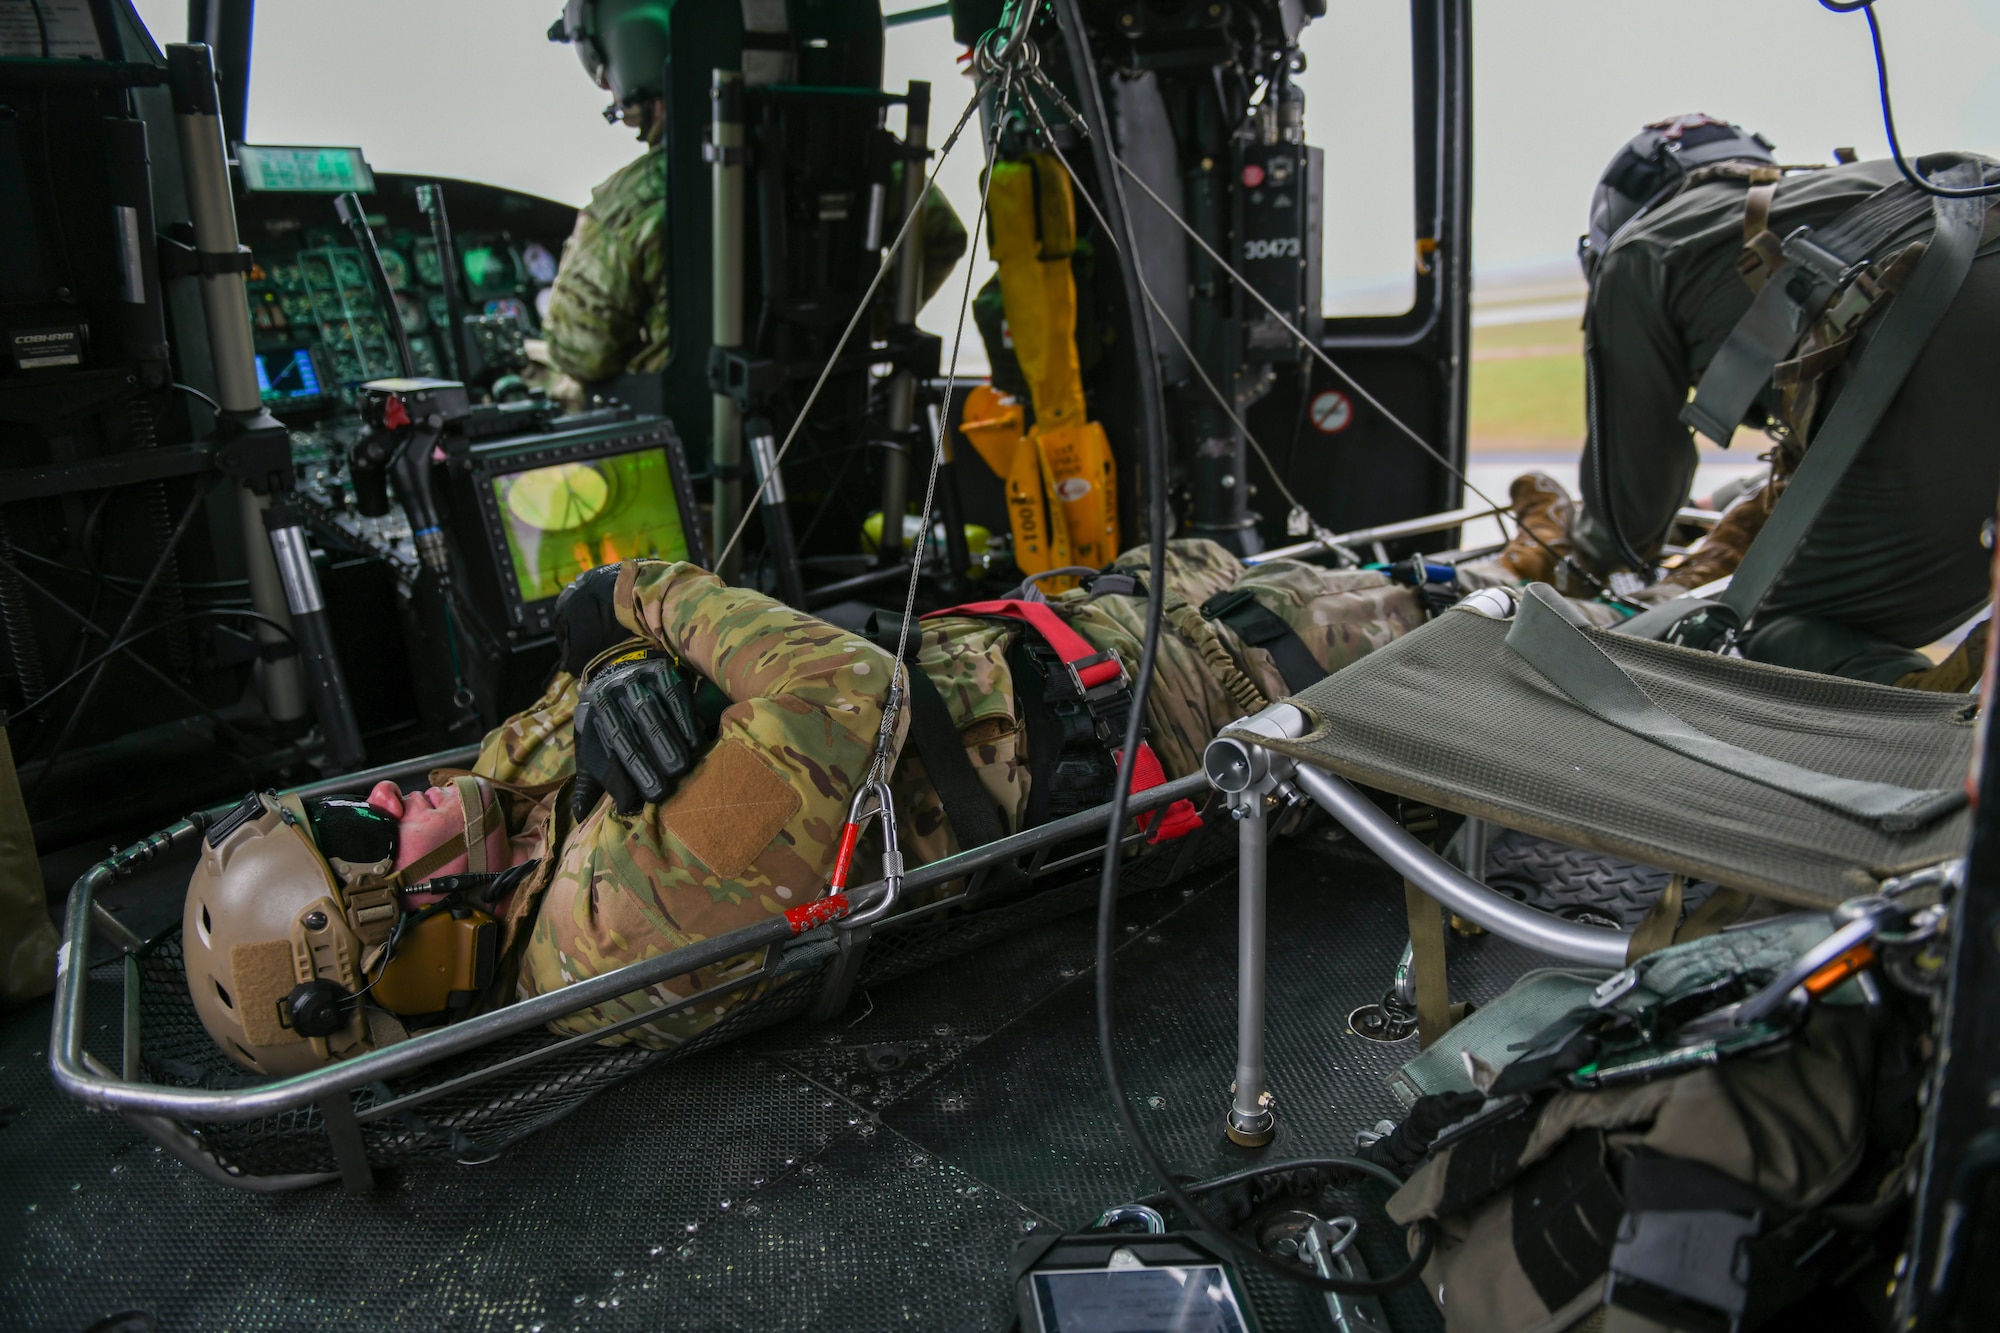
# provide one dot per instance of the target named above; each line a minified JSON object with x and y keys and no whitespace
{"x":608,"y":309}
{"x":752,"y":831}
{"x":1342,"y":615}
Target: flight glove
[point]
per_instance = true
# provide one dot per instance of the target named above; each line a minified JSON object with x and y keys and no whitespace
{"x":586,"y":618}
{"x":638,"y":732}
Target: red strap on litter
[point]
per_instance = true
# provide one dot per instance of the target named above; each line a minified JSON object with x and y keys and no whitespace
{"x":1181,"y":817}
{"x":1055,"y":631}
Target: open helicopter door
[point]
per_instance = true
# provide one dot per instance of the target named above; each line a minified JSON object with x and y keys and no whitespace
{"x":1348,"y":462}
{"x":1291,"y":351}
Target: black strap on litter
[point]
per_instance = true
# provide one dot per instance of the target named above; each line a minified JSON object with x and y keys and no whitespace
{"x":1904,"y":332}
{"x":1260,"y":627}
{"x":1792,"y":299}
{"x":1070,"y":768}
{"x":973,"y":817}
{"x":1545,"y":634}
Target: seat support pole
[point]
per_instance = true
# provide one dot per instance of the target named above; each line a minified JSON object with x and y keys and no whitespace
{"x":1252,"y":1123}
{"x":1251,"y":779}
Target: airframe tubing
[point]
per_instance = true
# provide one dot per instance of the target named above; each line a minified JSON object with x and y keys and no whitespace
{"x":1458,"y":892}
{"x":69,"y":1066}
{"x":1417,"y":527}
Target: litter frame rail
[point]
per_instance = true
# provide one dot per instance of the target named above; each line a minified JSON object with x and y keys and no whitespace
{"x":165,"y":1112}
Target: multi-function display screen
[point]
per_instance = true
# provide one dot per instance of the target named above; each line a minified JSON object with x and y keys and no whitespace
{"x":287,"y":374}
{"x":568,"y":517}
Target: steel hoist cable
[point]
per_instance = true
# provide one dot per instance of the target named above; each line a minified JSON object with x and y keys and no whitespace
{"x":873,"y":799}
{"x":1153,"y":443}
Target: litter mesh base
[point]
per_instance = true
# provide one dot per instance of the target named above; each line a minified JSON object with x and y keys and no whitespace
{"x":468,"y":1124}
{"x":1450,"y":715}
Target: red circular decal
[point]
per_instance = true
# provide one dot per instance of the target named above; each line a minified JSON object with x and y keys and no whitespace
{"x":1332,"y":412}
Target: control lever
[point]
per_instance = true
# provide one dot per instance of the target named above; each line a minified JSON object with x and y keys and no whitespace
{"x":348,"y":206}
{"x":430,"y":198}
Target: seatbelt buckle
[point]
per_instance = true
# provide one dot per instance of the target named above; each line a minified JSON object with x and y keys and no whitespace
{"x":1106,"y":686}
{"x":1108,"y":717}
{"x":1802,"y":249}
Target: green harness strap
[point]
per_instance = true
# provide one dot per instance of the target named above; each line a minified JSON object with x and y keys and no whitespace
{"x":1900,"y":339}
{"x":1904,"y":333}
{"x":1789,"y":301}
{"x":1547,"y":637}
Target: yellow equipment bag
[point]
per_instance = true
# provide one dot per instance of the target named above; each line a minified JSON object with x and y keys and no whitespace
{"x":1069,"y":468}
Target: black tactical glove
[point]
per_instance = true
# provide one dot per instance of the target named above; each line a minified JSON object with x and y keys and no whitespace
{"x":637,"y":732}
{"x":586,"y":620}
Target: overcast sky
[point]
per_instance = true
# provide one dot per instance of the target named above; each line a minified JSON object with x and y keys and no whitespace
{"x":471,"y":88}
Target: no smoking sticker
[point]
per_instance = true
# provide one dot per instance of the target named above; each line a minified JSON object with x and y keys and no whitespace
{"x":1332,"y":413}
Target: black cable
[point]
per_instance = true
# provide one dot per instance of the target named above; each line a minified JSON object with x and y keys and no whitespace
{"x":1358,"y":1165}
{"x":210,"y":613}
{"x":124,"y":581}
{"x":1910,"y":174}
{"x":1153,"y":437}
{"x":193,"y":392}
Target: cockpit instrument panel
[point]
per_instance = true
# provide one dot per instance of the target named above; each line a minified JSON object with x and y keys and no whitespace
{"x":316,"y":319}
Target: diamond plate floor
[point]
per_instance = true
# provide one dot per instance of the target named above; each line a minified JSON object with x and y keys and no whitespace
{"x":871,"y":1171}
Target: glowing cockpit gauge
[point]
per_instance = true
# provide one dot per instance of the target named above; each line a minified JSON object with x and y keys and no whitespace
{"x":557,"y":498}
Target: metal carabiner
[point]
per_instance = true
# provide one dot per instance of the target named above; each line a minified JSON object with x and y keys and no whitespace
{"x":1000,"y":48}
{"x":859,"y":812}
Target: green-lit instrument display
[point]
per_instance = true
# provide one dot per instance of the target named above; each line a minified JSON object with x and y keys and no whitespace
{"x":298,"y":170}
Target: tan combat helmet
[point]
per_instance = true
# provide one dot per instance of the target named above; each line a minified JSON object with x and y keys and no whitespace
{"x":285,"y":917}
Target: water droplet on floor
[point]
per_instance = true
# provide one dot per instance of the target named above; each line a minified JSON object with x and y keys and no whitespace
{"x":618,"y":1272}
{"x":614,"y":1302}
{"x":757,"y":1181}
{"x":867,"y":1131}
{"x":751,"y":1210}
{"x":942,"y":1029}
{"x":1157,"y":1102}
{"x":724,"y":1205}
{"x":76,"y":1189}
{"x":693,"y":1227}
{"x":576,"y":1300}
{"x":656,"y":1251}
{"x":687,"y":1251}
{"x":1153,"y":939}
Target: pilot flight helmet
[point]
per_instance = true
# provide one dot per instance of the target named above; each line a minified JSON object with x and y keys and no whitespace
{"x":293,"y":904}
{"x":622,"y":44}
{"x":1651,"y":169}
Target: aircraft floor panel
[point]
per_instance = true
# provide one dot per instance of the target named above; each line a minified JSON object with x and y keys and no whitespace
{"x":869,"y":1171}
